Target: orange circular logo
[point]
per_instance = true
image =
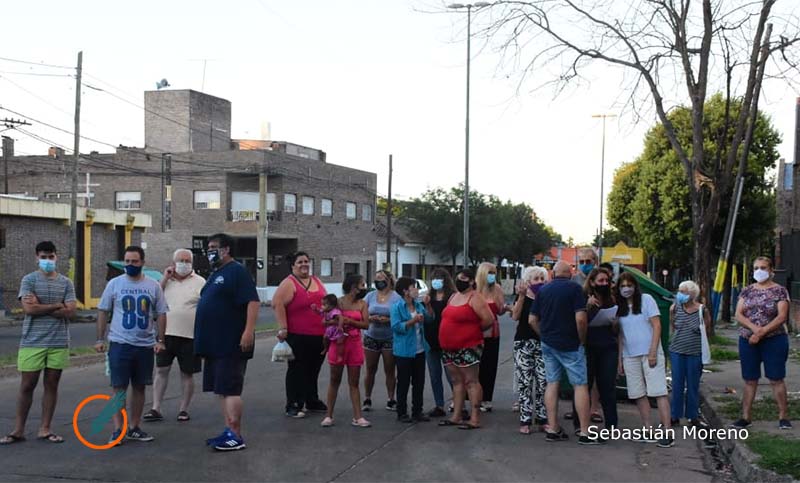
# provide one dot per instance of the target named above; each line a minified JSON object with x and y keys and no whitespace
{"x":103,"y":397}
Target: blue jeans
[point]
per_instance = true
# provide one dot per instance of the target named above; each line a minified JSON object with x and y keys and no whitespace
{"x":686,"y":372}
{"x":434,"y":358}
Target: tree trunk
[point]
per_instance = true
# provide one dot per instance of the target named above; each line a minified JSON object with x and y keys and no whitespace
{"x":702,"y":262}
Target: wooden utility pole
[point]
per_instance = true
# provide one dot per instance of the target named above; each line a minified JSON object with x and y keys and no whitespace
{"x":388,"y":265}
{"x":8,"y":151}
{"x":261,"y":238}
{"x":73,"y":203}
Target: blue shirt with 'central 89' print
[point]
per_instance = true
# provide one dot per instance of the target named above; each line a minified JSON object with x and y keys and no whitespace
{"x":135,"y":305}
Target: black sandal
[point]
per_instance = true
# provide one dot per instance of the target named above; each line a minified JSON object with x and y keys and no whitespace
{"x":183,"y":416}
{"x":152,"y":415}
{"x":11,"y":439}
{"x":51,"y":438}
{"x":447,"y":422}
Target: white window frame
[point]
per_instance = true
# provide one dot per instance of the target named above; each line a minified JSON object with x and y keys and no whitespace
{"x":322,"y":207}
{"x":308,"y":205}
{"x":366,"y":212}
{"x":128,"y":200}
{"x":290,"y":207}
{"x":206,"y":200}
{"x":326,"y":267}
{"x":351,"y":215}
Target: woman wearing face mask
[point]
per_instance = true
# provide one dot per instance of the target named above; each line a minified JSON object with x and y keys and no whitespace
{"x":356,"y":316}
{"x":685,"y":351}
{"x":378,"y":338}
{"x":528,"y":359}
{"x":295,"y":303}
{"x":490,"y":289}
{"x":762,"y":312}
{"x":442,"y":288}
{"x":602,"y":350}
{"x":641,"y":356}
{"x":467,"y":314}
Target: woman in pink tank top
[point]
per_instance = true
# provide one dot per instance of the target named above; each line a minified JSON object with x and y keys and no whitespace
{"x":296,"y":303}
{"x":356,"y":316}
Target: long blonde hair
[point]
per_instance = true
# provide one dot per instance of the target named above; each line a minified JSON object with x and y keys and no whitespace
{"x":482,"y":275}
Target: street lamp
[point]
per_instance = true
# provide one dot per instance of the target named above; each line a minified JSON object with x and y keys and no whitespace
{"x":469,"y":7}
{"x":602,"y":174}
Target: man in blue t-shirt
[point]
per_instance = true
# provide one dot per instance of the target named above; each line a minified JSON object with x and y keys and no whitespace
{"x":132,"y":299}
{"x":558,"y":315}
{"x":224,"y":334}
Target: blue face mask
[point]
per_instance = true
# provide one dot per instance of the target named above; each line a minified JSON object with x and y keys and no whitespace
{"x":491,"y":279}
{"x":437,"y":284}
{"x":682,"y":298}
{"x":586,"y":268}
{"x":47,"y":266}
{"x":133,"y":270}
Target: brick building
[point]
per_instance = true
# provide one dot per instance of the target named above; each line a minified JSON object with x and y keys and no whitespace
{"x":324,"y":209}
{"x":102,"y":237}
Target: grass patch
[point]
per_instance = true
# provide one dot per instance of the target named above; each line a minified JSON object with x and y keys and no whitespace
{"x":720,"y":354}
{"x":776,"y":453}
{"x":265,"y":327}
{"x":720,"y":340}
{"x":763,"y":410}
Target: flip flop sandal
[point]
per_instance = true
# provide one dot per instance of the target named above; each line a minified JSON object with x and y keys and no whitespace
{"x":183,"y":416}
{"x":596,"y":418}
{"x":360,"y":423}
{"x":11,"y":439}
{"x":152,"y":415}
{"x":468,"y":426}
{"x":525,"y":430}
{"x":327,"y":422}
{"x":447,"y":422}
{"x":51,"y":438}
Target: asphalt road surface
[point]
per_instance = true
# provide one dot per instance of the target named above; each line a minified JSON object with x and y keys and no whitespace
{"x":283,"y":449}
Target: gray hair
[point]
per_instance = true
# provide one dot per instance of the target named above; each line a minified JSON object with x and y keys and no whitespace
{"x":530,"y":272}
{"x":690,"y":287}
{"x":182,"y":250}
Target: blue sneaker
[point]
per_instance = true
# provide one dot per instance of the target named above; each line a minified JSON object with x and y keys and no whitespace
{"x":114,"y":437}
{"x":222,"y":436}
{"x":230,"y":442}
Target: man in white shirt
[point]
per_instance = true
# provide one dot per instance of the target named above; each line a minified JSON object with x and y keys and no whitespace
{"x":182,"y":288}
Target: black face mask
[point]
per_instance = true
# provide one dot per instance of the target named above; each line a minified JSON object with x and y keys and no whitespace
{"x":604,"y":290}
{"x":380,"y":284}
{"x":361,"y":294}
{"x":462,"y":286}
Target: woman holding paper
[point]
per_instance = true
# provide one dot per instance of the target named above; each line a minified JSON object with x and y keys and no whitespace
{"x":686,"y":316}
{"x":602,"y":352}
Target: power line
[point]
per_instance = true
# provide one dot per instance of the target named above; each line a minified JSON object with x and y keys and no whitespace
{"x":36,"y":74}
{"x":40,"y":64}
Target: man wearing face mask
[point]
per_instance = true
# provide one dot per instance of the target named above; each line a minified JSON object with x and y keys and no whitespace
{"x":132,"y":299}
{"x":48,"y":300}
{"x":224,"y":334}
{"x":181,"y":286}
{"x":587,"y":260}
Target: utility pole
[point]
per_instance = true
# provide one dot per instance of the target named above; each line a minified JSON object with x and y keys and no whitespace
{"x":262,"y":239}
{"x":388,"y":265}
{"x":73,"y":203}
{"x":602,"y":176}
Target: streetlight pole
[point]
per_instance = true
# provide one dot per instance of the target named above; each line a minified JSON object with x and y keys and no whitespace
{"x":469,"y":6}
{"x":602,"y":175}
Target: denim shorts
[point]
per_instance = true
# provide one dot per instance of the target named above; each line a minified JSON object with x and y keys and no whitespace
{"x":556,"y":362}
{"x":130,"y":364}
{"x":772,"y":351}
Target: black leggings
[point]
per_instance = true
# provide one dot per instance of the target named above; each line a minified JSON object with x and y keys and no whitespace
{"x":410,"y":370}
{"x":303,"y":371}
{"x":488,"y":369}
{"x":601,"y":367}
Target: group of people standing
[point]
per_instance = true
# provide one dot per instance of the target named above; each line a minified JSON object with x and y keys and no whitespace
{"x":586,"y":328}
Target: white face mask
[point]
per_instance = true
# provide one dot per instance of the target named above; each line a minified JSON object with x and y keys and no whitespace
{"x":183,"y":268}
{"x":761,"y":276}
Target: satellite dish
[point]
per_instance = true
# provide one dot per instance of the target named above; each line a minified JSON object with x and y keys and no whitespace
{"x":162,"y":83}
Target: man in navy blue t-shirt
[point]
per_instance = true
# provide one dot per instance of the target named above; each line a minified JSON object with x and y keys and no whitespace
{"x":224,"y":327}
{"x":558,"y":315}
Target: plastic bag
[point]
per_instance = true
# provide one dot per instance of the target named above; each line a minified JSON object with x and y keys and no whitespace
{"x":705,"y":348}
{"x":282,"y":352}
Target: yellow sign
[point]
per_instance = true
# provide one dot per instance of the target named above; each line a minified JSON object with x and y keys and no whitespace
{"x":622,"y":253}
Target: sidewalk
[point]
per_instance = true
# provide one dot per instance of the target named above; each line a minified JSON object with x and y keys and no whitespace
{"x":721,"y":393}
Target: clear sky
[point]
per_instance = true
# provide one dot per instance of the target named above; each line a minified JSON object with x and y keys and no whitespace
{"x":358,"y":79}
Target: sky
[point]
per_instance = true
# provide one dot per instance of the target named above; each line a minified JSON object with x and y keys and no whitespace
{"x":358,"y":79}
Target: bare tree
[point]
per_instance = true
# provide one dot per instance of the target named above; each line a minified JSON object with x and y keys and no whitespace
{"x":673,"y":53}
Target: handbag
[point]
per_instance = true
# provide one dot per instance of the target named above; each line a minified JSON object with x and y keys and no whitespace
{"x":705,"y":348}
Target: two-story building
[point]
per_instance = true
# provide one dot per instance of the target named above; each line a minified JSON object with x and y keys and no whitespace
{"x":194,"y":180}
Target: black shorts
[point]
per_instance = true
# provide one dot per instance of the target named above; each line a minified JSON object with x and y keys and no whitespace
{"x":224,"y":375}
{"x":181,"y":348}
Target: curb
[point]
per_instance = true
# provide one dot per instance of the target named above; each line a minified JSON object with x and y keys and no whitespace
{"x":89,"y":359}
{"x":738,"y":454}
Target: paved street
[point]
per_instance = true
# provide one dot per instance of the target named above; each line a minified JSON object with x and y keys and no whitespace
{"x":282,"y":449}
